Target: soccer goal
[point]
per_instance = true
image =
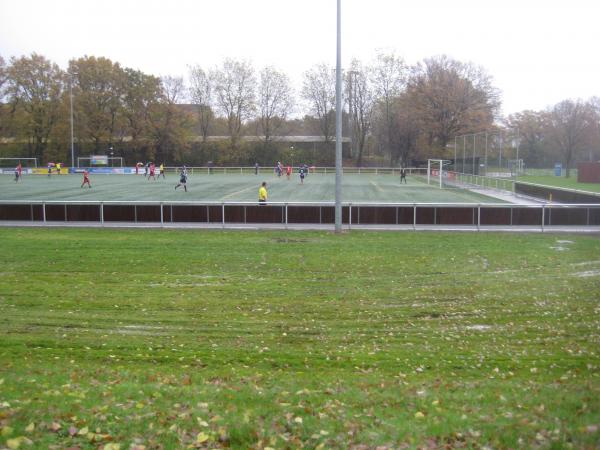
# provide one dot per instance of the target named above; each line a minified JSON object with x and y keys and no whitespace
{"x":13,"y":162}
{"x":516,"y":167}
{"x":436,"y":172}
{"x":99,"y":160}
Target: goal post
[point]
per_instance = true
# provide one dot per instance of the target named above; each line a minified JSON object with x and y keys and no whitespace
{"x":435,"y":170}
{"x":13,"y":162}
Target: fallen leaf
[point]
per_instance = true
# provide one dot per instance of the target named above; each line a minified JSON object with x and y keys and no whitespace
{"x":13,"y":444}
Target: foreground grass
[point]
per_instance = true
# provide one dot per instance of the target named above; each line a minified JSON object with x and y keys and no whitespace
{"x":561,"y":182}
{"x":173,"y":339}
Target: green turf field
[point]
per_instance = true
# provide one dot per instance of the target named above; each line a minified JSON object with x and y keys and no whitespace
{"x":561,"y":182}
{"x":316,"y":188}
{"x":154,"y":339}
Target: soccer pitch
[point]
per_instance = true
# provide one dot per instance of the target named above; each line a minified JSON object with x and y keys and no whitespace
{"x":366,"y":188}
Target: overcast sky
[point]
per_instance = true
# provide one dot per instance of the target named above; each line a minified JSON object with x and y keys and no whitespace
{"x":538,"y":52}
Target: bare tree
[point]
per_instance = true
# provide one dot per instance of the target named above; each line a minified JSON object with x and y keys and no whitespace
{"x":275,"y":100}
{"x":319,"y":90}
{"x":173,"y":89}
{"x":361,"y":105}
{"x":235,"y":90}
{"x":452,"y":97}
{"x":594,"y":153}
{"x":3,"y":74}
{"x":3,"y":108}
{"x":388,"y":78}
{"x":201,"y":93}
{"x":531,"y":126}
{"x":570,"y":126}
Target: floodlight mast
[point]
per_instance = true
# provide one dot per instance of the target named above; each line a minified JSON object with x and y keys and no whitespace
{"x":338,"y":124}
{"x":71,"y":101}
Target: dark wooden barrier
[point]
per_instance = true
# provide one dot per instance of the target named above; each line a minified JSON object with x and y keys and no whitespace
{"x":83,"y":213}
{"x":258,"y":214}
{"x":281,"y":214}
{"x":558,"y":195}
{"x":16,"y":212}
{"x":588,"y":172}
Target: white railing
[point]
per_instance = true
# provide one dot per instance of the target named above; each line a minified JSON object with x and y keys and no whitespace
{"x":479,"y":181}
{"x":415,"y":216}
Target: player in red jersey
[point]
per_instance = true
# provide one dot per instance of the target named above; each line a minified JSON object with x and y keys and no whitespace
{"x":86,"y":179}
{"x":18,"y":172}
{"x":152,"y":170}
{"x":288,"y":171}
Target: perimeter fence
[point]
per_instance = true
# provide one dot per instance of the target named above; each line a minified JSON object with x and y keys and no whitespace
{"x":289,"y":215}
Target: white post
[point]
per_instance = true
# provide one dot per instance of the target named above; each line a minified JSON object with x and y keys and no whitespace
{"x":464,"y":152}
{"x":428,"y":169}
{"x":485,"y":157}
{"x":455,"y":144}
{"x":473,"y":160}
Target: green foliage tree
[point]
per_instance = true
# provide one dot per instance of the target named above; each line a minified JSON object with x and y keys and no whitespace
{"x":170,"y":125}
{"x":141,"y":96}
{"x":98,"y":87}
{"x":34,"y":90}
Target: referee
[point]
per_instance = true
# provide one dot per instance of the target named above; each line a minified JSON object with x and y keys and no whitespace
{"x":262,"y":193}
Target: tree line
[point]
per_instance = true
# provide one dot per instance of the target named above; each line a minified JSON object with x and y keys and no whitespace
{"x":234,"y":114}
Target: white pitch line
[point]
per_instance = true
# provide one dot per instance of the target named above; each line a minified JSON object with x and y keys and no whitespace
{"x":238,"y":192}
{"x":376,"y":186}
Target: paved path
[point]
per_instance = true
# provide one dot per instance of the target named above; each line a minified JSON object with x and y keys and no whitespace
{"x":507,"y":196}
{"x":306,"y":227}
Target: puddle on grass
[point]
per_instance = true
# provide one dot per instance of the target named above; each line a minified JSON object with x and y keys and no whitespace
{"x":588,"y":273}
{"x":141,"y":330}
{"x":478,"y":327}
{"x":291,"y":240}
{"x":562,"y":245}
{"x":586,"y":263}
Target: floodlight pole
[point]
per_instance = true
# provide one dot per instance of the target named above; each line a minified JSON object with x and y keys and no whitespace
{"x":455,"y":144}
{"x":338,"y":124}
{"x":71,"y":101}
{"x":473,"y":161}
{"x":518,"y":164}
{"x":486,"y":150}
